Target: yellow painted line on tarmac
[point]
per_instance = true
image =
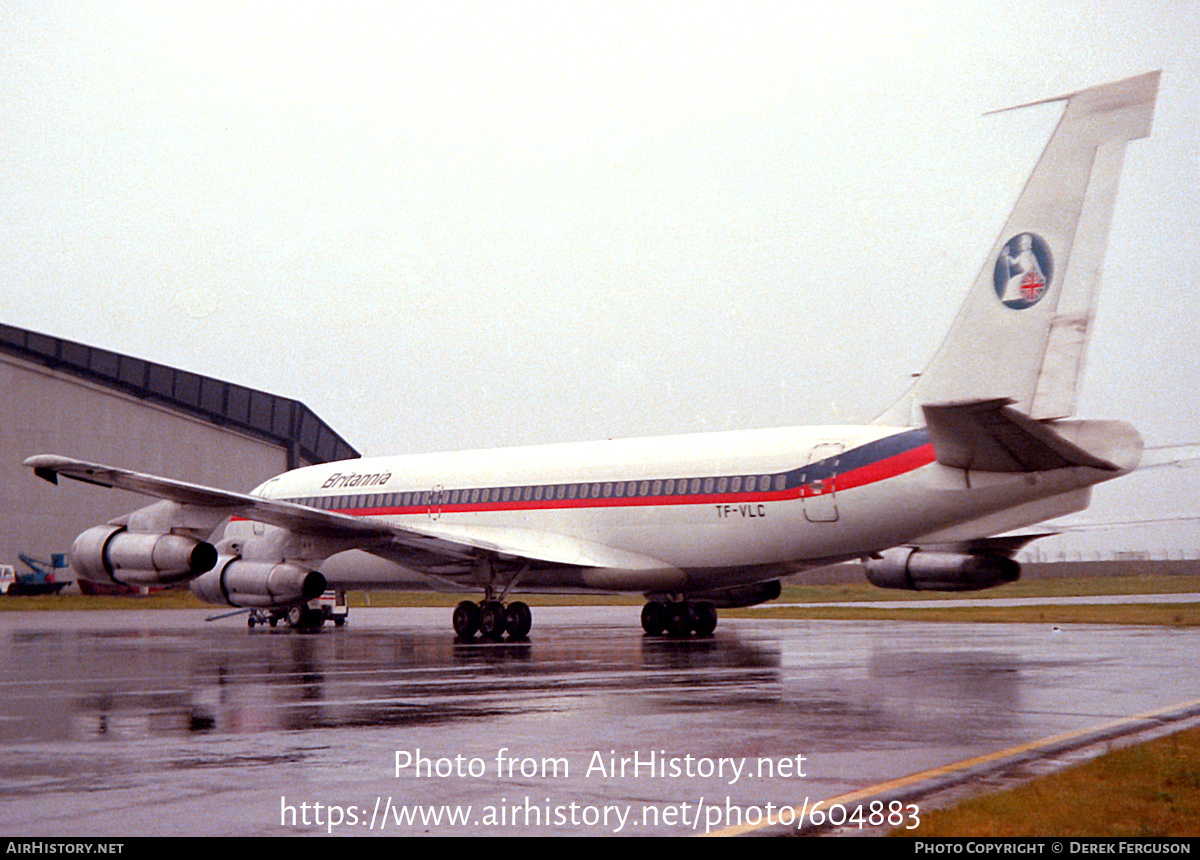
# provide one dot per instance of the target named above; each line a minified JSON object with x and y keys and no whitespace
{"x":793,"y":813}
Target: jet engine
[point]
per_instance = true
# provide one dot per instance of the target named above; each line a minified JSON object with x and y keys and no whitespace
{"x":112,"y":554}
{"x":916,"y":569}
{"x":258,"y":584}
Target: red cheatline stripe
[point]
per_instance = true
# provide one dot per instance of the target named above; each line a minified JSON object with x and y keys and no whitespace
{"x":888,"y":468}
{"x":882,"y":470}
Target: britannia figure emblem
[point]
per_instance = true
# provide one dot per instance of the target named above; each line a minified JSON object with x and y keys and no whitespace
{"x":1023,"y":271}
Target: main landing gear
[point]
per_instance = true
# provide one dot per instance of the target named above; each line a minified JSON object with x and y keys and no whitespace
{"x":679,"y":618}
{"x":491,"y":619}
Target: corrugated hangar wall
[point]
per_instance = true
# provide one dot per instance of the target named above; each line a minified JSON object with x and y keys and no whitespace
{"x":66,"y":398}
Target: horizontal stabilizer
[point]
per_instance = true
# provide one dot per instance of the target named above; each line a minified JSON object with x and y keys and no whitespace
{"x":991,"y":436}
{"x":1178,"y":456}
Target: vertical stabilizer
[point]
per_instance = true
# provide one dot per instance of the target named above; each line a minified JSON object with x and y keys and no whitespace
{"x":1021,"y":333}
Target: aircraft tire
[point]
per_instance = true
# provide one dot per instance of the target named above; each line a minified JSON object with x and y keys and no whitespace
{"x":704,"y":615}
{"x":680,"y":619}
{"x":466,"y":620}
{"x":517,"y":620}
{"x":491,"y":620}
{"x":654,"y":618}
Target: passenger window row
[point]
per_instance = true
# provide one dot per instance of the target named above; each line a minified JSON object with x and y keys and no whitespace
{"x":552,"y":492}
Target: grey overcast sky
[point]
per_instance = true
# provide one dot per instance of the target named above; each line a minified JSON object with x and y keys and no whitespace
{"x":459,"y":224}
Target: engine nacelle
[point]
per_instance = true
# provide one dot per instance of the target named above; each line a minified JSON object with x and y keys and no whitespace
{"x":111,"y":554}
{"x":921,"y":570}
{"x":258,"y":584}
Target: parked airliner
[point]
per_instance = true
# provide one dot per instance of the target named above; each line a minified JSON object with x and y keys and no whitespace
{"x":983,"y":443}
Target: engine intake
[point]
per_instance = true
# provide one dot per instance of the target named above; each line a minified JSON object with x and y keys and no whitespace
{"x":258,"y":584}
{"x":922,"y":570}
{"x":111,"y":554}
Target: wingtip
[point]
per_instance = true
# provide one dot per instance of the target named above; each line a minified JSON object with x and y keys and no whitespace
{"x":43,"y":466}
{"x":46,"y":466}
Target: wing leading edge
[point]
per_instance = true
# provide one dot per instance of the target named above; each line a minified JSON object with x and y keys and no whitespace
{"x":287,"y":515}
{"x":424,"y":546}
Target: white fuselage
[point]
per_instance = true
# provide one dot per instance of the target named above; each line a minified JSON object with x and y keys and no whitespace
{"x":674,"y":514}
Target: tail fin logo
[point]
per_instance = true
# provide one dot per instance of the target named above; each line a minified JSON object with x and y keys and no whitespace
{"x":1023,"y":271}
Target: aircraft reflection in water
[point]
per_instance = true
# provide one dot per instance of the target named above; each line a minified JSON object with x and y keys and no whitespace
{"x":982,"y":444}
{"x":158,"y":724}
{"x":123,"y":685}
{"x":154,"y":683}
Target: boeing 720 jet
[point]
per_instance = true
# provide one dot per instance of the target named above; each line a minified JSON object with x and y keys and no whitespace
{"x":983,"y":443}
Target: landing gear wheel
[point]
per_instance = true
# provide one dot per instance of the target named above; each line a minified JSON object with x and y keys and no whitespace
{"x":491,"y":620}
{"x":466,"y":620}
{"x":654,"y":618}
{"x":517,"y":620}
{"x":704,"y":615}
{"x":680,"y":619}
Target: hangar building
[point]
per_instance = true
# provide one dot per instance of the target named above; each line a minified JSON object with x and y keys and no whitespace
{"x":79,"y":401}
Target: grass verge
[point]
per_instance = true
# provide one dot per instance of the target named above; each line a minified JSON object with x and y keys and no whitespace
{"x":184,"y":599}
{"x":925,"y":603}
{"x":1075,"y":586}
{"x":1157,"y":614}
{"x":1175,"y":615}
{"x":1152,"y":789}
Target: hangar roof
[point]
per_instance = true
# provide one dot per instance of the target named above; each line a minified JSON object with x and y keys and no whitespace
{"x":285,"y":422}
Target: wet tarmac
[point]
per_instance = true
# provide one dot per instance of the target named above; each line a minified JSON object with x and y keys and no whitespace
{"x":156,"y":723}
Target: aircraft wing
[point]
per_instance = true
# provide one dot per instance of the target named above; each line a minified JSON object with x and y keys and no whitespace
{"x":423,"y":546}
{"x":276,"y":513}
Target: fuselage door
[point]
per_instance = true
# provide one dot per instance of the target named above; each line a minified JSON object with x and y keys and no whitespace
{"x":435,"y":502}
{"x":819,"y":483}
